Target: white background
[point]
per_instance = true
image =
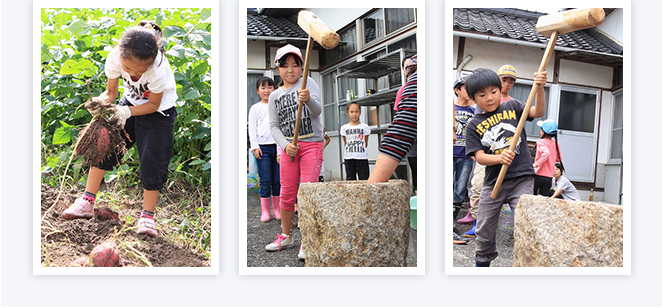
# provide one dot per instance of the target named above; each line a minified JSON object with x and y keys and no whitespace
{"x":20,"y":288}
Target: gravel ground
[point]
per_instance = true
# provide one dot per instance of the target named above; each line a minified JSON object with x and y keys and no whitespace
{"x":464,"y":254}
{"x":259,"y":234}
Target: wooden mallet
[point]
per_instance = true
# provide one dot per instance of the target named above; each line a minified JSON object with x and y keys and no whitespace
{"x":551,"y":26}
{"x":326,"y":37}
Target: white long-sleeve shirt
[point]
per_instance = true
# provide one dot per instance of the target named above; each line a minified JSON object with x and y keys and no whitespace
{"x":283,"y":114}
{"x":259,"y":130}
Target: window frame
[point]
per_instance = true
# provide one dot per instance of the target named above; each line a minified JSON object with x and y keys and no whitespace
{"x":616,"y":160}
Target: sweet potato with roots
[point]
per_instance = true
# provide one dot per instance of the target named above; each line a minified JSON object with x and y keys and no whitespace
{"x":101,"y":137}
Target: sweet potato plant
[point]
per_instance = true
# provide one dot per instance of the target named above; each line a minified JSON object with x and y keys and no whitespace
{"x":74,"y":45}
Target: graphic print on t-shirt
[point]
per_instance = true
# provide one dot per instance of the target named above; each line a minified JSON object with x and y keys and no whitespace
{"x":287,"y":113}
{"x":354,"y":141}
{"x":462,"y":117}
{"x":497,"y":135}
{"x":136,"y":93}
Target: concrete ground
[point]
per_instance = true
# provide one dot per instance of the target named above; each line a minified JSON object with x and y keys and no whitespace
{"x":463,"y":255}
{"x":259,"y":234}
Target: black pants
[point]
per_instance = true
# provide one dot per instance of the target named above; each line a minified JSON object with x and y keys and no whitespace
{"x":153,"y":135}
{"x":356,"y":167}
{"x":542,"y":185}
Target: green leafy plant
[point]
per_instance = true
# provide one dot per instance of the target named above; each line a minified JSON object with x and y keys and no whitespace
{"x":74,"y":46}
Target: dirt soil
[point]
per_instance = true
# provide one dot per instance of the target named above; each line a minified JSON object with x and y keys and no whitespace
{"x":63,"y":241}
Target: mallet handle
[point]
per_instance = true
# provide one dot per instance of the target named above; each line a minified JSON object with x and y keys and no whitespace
{"x":521,"y":123}
{"x":309,"y":47}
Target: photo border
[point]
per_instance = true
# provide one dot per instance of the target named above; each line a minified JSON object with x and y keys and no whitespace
{"x":421,"y":171}
{"x":37,"y":268}
{"x":626,"y":146}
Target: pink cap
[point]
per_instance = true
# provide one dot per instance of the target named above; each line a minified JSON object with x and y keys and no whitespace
{"x":286,"y":50}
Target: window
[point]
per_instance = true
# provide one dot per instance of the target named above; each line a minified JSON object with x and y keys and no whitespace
{"x":397,"y":18}
{"x":252,"y":96}
{"x":409,"y":43}
{"x":347,"y":36}
{"x":329,"y":101}
{"x":520,"y":92}
{"x":617,"y":126}
{"x":577,"y":111}
{"x":385,"y":21}
{"x":385,"y":115}
{"x":374,"y":26}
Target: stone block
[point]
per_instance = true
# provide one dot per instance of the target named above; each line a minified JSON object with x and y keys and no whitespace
{"x":354,"y":224}
{"x":559,"y":233}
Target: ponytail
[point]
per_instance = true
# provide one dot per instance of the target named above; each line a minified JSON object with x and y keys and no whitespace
{"x":143,"y":42}
{"x":559,"y":154}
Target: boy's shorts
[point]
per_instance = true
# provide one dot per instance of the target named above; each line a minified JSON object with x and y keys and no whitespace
{"x":489,"y":213}
{"x":153,"y":135}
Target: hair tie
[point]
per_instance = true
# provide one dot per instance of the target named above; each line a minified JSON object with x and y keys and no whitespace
{"x":149,"y":26}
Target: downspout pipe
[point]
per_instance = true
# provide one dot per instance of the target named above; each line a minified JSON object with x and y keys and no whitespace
{"x":467,"y":59}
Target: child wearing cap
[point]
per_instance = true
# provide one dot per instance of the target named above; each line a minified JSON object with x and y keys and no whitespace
{"x":507,"y":74}
{"x":547,"y":154}
{"x":463,"y":112}
{"x":489,"y":135}
{"x":307,"y":154}
{"x":562,"y":187}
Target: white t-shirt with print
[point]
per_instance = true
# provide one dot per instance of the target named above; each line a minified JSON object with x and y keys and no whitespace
{"x":355,"y":140}
{"x":158,"y":78}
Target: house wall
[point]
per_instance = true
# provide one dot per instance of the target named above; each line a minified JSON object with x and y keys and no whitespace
{"x":526,"y":60}
{"x":492,"y":55}
{"x":578,"y":73}
{"x":255,"y":58}
{"x":613,"y":25}
{"x":608,"y":173}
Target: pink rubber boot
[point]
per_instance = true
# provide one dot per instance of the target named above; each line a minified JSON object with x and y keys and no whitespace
{"x":264,"y":203}
{"x":468,"y":219}
{"x":276,"y":203}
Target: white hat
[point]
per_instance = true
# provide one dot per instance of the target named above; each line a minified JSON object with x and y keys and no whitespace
{"x":286,"y":50}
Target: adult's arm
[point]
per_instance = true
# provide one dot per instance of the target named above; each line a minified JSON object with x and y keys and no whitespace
{"x":400,"y":136}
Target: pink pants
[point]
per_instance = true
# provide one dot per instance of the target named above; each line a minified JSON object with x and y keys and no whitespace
{"x":306,"y":166}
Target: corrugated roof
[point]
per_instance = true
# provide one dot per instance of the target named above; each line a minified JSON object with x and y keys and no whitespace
{"x":263,"y":25}
{"x":521,"y":25}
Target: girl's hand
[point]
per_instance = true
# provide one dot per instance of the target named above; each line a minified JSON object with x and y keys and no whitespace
{"x":291,"y":149}
{"x":257,"y":153}
{"x":278,"y":159}
{"x":95,"y":105}
{"x":122,"y":113}
{"x":506,"y":158}
{"x":304,"y":95}
{"x":541,"y":78}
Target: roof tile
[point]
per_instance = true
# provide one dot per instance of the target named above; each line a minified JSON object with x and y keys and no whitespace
{"x":521,"y":25}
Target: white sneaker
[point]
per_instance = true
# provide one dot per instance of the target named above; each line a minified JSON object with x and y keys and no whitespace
{"x":282,"y":241}
{"x":301,"y":255}
{"x":80,"y":209}
{"x":146,"y":225}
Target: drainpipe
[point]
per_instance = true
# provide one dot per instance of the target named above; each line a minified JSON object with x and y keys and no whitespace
{"x":467,"y":59}
{"x":274,"y":38}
